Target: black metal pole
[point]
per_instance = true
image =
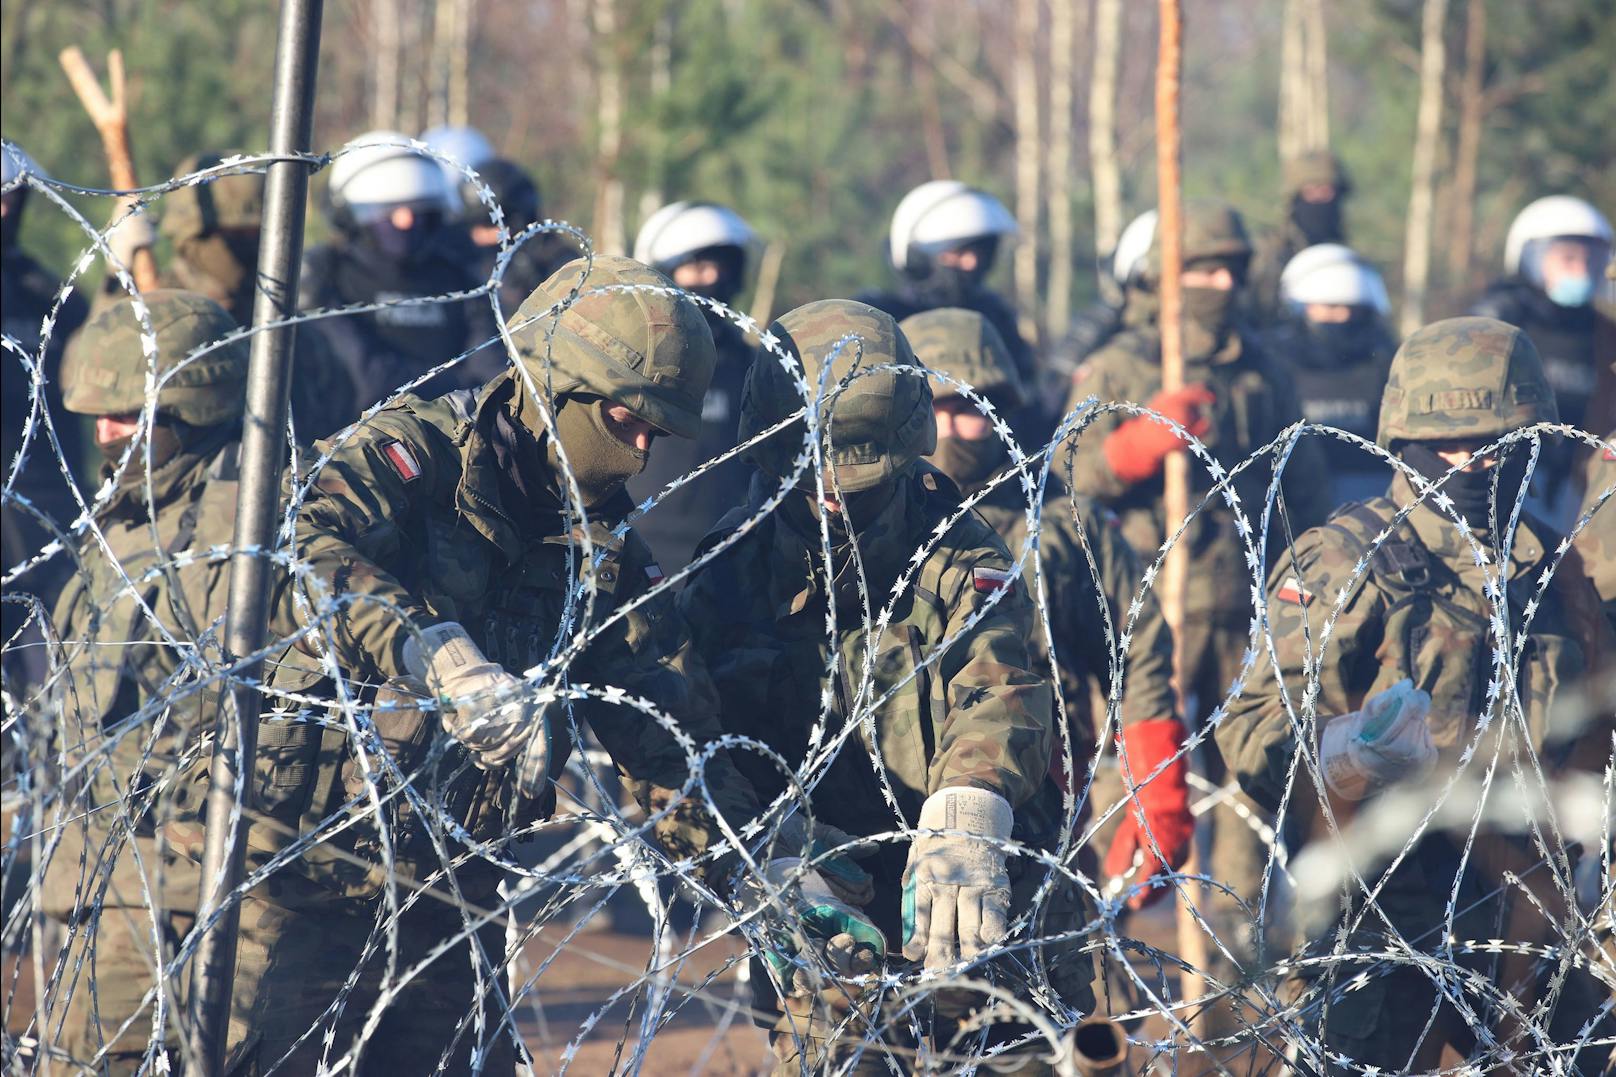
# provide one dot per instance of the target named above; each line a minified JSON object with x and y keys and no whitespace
{"x":263,"y":448}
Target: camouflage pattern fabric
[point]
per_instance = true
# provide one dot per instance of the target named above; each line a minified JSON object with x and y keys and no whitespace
{"x":105,"y":369}
{"x":229,"y":202}
{"x":1418,"y":612}
{"x":1597,"y":542}
{"x":964,"y":345}
{"x":879,"y":422}
{"x":117,"y":662}
{"x":1464,"y":378}
{"x":973,"y":715}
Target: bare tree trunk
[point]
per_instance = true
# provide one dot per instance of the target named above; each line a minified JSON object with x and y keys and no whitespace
{"x":1027,"y":159}
{"x":1318,"y":76}
{"x":1472,"y":111}
{"x":1290,"y":82}
{"x":1427,"y":144}
{"x":416,"y":89}
{"x":1103,"y":125}
{"x":661,"y":57}
{"x":1058,"y":178}
{"x":931,"y":110}
{"x":459,"y":93}
{"x":385,"y":66}
{"x":437,"y":102}
{"x":608,"y":229}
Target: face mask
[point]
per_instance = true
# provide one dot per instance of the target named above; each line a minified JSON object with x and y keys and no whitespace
{"x":1572,"y":291}
{"x":1209,"y":308}
{"x":1319,"y":222}
{"x":1335,"y":345}
{"x":601,"y":462}
{"x":970,"y":463}
{"x":403,"y":244}
{"x":1472,"y":491}
{"x":168,"y":438}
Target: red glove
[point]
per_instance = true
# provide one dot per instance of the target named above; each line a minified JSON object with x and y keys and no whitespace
{"x":1164,"y":801}
{"x":1135,"y":450}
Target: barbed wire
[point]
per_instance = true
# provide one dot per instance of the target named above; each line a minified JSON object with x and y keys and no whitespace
{"x":99,"y":792}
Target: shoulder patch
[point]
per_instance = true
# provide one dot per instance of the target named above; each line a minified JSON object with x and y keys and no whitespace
{"x":654,"y":573}
{"x":402,"y":459}
{"x":1292,"y":590}
{"x":987,"y":580}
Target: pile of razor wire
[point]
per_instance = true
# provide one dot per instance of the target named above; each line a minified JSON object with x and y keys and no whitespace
{"x":597,"y":850}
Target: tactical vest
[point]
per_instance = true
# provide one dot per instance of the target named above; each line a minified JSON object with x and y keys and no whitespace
{"x":1435,"y":629}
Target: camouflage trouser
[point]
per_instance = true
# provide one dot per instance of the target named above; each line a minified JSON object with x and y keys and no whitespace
{"x":114,"y":990}
{"x":301,"y":944}
{"x":112,"y":959}
{"x":1388,"y":1023}
{"x":812,"y":1031}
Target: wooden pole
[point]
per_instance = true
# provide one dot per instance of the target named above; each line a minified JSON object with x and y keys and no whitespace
{"x":1170,"y":229}
{"x":111,"y":119}
{"x":1427,"y":143}
{"x":1103,"y":129}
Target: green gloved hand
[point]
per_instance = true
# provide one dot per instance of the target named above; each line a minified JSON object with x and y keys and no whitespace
{"x":800,"y":905}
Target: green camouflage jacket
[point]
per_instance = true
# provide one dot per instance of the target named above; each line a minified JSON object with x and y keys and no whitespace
{"x":1597,"y":542}
{"x":408,"y":522}
{"x":118,"y":660}
{"x":973,"y":714}
{"x":1255,"y":401}
{"x":1419,"y":612}
{"x":1076,"y":623}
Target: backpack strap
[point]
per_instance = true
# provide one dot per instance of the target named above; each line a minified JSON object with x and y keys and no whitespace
{"x":1401,"y":560}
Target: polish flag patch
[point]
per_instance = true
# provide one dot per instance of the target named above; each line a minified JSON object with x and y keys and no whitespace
{"x":654,"y":573}
{"x":988,"y":580}
{"x":1610,"y":454}
{"x":1293,"y":592}
{"x":403,"y":460}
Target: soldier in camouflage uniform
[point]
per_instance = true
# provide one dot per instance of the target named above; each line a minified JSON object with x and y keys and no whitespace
{"x":134,"y":691}
{"x":1419,"y":614}
{"x":1317,"y":186}
{"x":1236,"y":399}
{"x":452,"y":525}
{"x":1597,"y":542}
{"x":214,"y":228}
{"x":961,"y":725}
{"x":964,"y":345}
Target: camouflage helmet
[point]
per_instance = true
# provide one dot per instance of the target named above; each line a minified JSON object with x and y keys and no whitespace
{"x":965,"y":345}
{"x":1464,"y":378}
{"x":647,"y":348}
{"x":201,"y":209}
{"x":104,"y":370}
{"x":1317,"y":166}
{"x":1212,"y":229}
{"x":879,"y":423}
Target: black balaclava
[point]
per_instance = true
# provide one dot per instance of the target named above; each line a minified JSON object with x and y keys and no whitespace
{"x":1319,"y":222}
{"x":949,"y":286}
{"x":11,"y":223}
{"x":970,"y":463}
{"x":1472,"y":491}
{"x":1338,"y":345}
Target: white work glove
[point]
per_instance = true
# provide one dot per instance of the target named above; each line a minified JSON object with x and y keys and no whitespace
{"x":485,"y":708}
{"x":797,"y":899}
{"x":1385,"y":742}
{"x":132,"y":233}
{"x":956,"y":891}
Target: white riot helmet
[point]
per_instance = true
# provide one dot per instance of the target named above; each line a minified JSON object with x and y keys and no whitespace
{"x":676,"y":232}
{"x":942,"y":214}
{"x":469,"y":147}
{"x":17,"y":162}
{"x":1128,"y":260}
{"x":1333,"y":275}
{"x":379,"y":168}
{"x":1553,"y":217}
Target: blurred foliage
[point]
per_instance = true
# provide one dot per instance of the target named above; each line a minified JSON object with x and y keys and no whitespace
{"x":810,"y":117}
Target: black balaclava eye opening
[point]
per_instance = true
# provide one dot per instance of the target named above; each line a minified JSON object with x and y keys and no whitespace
{"x":1472,"y":491}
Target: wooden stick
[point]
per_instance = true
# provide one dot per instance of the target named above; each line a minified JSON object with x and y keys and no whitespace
{"x":1170,"y":229}
{"x":111,"y":119}
{"x":768,"y":280}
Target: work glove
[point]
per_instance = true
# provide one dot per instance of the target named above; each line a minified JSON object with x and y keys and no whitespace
{"x":797,"y":902}
{"x":1163,"y":802}
{"x":846,"y":879}
{"x":485,"y":708}
{"x":1135,"y":450}
{"x":956,"y":891}
{"x":1385,"y":742}
{"x":132,"y":233}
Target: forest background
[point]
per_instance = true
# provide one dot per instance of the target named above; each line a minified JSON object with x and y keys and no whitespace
{"x":812,"y":117}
